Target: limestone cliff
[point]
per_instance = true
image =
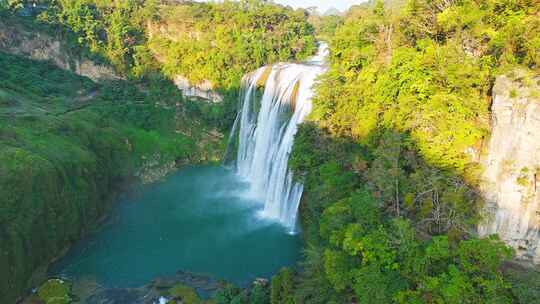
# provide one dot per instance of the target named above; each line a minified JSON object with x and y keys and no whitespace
{"x":165,"y":32}
{"x":204,"y":90}
{"x":16,"y":39}
{"x":511,"y":177}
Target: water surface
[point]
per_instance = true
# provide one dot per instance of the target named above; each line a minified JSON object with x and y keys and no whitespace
{"x":199,"y":220}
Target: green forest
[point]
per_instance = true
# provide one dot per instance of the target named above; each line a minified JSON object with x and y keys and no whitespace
{"x":218,"y":42}
{"x":391,"y":201}
{"x":390,"y":214}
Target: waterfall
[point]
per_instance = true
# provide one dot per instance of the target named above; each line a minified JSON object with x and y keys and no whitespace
{"x":267,"y":126}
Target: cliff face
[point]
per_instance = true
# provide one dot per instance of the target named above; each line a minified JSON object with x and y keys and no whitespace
{"x":204,"y":90}
{"x":511,"y":180}
{"x":15,"y":39}
{"x":170,"y":32}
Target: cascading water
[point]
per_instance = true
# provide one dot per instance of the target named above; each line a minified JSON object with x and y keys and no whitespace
{"x":267,"y":126}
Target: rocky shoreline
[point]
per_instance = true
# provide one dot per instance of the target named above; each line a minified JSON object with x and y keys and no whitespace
{"x":181,"y":287}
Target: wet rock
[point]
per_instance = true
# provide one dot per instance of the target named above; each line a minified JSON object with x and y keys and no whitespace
{"x":182,"y":287}
{"x":121,"y":296}
{"x":203,"y":90}
{"x":261,"y":282}
{"x":155,"y":168}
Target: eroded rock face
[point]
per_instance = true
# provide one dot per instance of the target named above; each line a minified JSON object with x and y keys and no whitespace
{"x":40,"y":46}
{"x":172,"y":31}
{"x":511,"y":180}
{"x":203,"y":90}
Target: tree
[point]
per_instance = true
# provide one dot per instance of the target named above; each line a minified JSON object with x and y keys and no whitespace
{"x":259,"y":295}
{"x":282,"y":287}
{"x":386,"y":171}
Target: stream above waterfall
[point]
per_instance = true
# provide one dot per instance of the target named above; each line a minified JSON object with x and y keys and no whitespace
{"x":199,"y":220}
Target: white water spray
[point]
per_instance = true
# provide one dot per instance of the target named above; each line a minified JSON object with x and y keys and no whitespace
{"x":268,"y":125}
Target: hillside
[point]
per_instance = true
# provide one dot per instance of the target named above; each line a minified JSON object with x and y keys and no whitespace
{"x":69,"y":145}
{"x":417,"y":167}
{"x":391,"y":157}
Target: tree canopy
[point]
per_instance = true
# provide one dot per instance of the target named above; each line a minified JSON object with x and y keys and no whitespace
{"x":219,"y":42}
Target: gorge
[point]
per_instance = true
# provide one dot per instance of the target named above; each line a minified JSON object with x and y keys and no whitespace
{"x":399,"y":165}
{"x":255,"y":200}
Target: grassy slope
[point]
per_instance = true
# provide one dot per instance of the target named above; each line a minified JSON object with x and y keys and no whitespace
{"x":67,"y":145}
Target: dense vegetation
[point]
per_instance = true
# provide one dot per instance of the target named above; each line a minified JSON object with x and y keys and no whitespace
{"x":219,"y":42}
{"x":67,"y":145}
{"x":390,"y":207}
{"x":222,"y":42}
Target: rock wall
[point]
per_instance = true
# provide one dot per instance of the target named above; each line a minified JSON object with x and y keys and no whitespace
{"x":173,"y":32}
{"x":203,"y":90}
{"x":15,"y":39}
{"x":511,"y":180}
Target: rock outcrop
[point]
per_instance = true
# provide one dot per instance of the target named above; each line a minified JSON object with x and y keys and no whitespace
{"x":203,"y":90}
{"x":15,"y":39}
{"x":511,"y":180}
{"x":166,"y":31}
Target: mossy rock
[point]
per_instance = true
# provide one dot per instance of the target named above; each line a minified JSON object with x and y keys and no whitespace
{"x":32,"y":299}
{"x":55,"y":291}
{"x":261,"y":82}
{"x":186,"y":294}
{"x":294,"y":96}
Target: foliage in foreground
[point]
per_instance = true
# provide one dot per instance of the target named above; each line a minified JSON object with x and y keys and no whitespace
{"x":358,"y":248}
{"x":257,"y":294}
{"x":390,"y":205}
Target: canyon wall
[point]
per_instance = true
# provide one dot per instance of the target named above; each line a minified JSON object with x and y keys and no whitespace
{"x":511,"y":177}
{"x":164,"y":32}
{"x":16,"y":39}
{"x":204,"y":90}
